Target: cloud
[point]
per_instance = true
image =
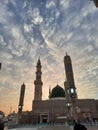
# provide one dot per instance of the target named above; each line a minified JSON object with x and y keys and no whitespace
{"x":47,"y":29}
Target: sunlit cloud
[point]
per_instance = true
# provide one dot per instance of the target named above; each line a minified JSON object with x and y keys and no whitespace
{"x":46,"y":29}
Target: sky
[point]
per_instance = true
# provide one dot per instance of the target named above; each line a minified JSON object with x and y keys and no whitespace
{"x":30,"y":29}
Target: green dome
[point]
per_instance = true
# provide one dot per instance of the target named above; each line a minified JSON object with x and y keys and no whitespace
{"x":57,"y":92}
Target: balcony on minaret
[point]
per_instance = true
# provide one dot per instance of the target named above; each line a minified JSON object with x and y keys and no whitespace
{"x":70,"y":76}
{"x":38,"y":82}
{"x":38,"y":72}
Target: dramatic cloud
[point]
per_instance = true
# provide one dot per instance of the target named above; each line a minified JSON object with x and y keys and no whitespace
{"x":30,"y":29}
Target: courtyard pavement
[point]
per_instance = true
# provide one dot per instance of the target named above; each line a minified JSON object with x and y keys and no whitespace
{"x":54,"y":127}
{"x":63,"y":127}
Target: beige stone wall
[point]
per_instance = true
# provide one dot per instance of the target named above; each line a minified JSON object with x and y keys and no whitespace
{"x":87,"y":109}
{"x":56,"y":111}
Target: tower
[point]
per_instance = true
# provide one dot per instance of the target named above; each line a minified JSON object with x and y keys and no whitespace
{"x":49,"y":92}
{"x":38,"y":82}
{"x":71,"y":89}
{"x":0,"y":66}
{"x":21,"y":100}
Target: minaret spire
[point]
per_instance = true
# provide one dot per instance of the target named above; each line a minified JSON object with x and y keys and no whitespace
{"x":70,"y":76}
{"x":70,"y":89}
{"x":38,"y":82}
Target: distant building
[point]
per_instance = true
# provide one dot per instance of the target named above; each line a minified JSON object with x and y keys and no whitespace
{"x":63,"y":103}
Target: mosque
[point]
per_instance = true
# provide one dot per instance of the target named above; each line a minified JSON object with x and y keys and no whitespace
{"x":62,"y":105}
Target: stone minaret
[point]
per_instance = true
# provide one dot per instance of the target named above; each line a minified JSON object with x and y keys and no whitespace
{"x":70,"y":77}
{"x":0,"y":66}
{"x":49,"y":92}
{"x":21,"y":100}
{"x":38,"y":82}
{"x":70,"y":87}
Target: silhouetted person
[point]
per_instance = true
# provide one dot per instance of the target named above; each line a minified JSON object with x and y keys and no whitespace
{"x":79,"y":126}
{"x":1,"y":125}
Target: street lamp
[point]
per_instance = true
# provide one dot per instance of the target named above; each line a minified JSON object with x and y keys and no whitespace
{"x":69,"y":105}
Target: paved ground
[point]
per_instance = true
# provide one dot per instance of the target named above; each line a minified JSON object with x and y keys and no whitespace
{"x":63,"y":127}
{"x":66,"y":128}
{"x":92,"y":127}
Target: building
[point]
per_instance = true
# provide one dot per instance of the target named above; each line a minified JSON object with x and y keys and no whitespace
{"x":63,"y":103}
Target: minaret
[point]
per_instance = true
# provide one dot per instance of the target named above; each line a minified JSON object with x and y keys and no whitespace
{"x":49,"y":92}
{"x":38,"y":82}
{"x":68,"y":99}
{"x":21,"y":100}
{"x":70,"y":77}
{"x":0,"y":66}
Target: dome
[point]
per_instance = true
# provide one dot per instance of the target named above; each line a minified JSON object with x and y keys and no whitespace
{"x":57,"y":92}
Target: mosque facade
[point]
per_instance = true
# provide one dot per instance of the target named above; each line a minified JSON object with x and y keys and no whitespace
{"x":63,"y":103}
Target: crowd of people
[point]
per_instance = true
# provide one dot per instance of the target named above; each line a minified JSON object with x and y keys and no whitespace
{"x":77,"y":126}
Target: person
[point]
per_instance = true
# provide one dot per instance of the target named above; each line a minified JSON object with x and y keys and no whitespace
{"x":79,"y":126}
{"x":1,"y":125}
